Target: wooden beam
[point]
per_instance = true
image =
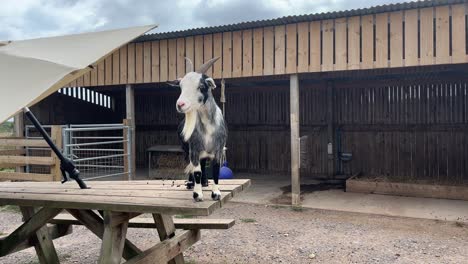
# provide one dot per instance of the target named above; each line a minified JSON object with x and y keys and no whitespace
{"x":113,"y":239}
{"x":19,"y":132}
{"x":12,"y":152}
{"x":130,"y":114}
{"x":294,"y":119}
{"x":15,"y":142}
{"x":22,"y":160}
{"x":56,"y":135}
{"x":20,"y":176}
{"x":166,"y":230}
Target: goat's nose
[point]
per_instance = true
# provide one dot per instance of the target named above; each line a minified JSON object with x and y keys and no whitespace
{"x":180,"y":104}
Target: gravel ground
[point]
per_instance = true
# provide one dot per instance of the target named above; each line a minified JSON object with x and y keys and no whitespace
{"x":266,"y":234}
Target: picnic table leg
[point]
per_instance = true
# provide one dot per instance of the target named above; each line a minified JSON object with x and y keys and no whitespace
{"x":41,"y":240}
{"x":113,"y":240}
{"x":166,"y":230}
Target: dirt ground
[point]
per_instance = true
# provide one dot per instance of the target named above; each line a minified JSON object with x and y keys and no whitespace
{"x":270,"y":234}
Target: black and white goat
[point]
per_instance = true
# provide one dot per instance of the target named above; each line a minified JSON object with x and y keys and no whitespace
{"x":203,"y":132}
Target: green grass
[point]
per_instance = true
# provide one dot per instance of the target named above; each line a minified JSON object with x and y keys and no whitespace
{"x":184,"y":216}
{"x":248,"y":220}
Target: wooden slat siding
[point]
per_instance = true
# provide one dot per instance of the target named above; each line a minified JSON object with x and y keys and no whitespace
{"x":381,"y":40}
{"x":257,"y":62}
{"x":314,"y":40}
{"x":280,"y":49}
{"x":247,"y":55}
{"x":131,"y":63}
{"x":458,"y":34}
{"x":101,"y":72}
{"x":94,"y":76}
{"x":180,"y":57}
{"x":268,"y":50}
{"x":115,"y":67}
{"x":139,"y":62}
{"x":227,"y":54}
{"x":163,"y":61}
{"x":79,"y":81}
{"x":147,"y":62}
{"x":189,"y":51}
{"x":155,"y":67}
{"x":354,"y":34}
{"x":172,"y":59}
{"x":237,"y":54}
{"x":341,"y":53}
{"x":367,"y":24}
{"x":291,"y":48}
{"x":198,"y":52}
{"x":218,"y":52}
{"x":396,"y":39}
{"x":108,"y":71}
{"x":87,"y":79}
{"x":24,"y":160}
{"x":303,"y":47}
{"x":18,"y":176}
{"x":411,"y":37}
{"x":208,"y":51}
{"x":73,"y":83}
{"x":327,"y":45}
{"x":426,"y":16}
{"x":123,"y":64}
{"x":442,"y":35}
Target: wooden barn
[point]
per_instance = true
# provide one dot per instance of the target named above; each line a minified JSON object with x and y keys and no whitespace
{"x":380,"y":91}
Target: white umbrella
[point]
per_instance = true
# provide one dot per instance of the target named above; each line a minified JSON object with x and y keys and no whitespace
{"x":31,"y":70}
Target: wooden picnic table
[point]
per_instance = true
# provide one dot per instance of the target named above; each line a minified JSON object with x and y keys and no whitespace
{"x":106,"y":210}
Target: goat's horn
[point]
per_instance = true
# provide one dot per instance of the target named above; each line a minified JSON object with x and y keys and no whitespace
{"x":207,"y":65}
{"x":189,"y":65}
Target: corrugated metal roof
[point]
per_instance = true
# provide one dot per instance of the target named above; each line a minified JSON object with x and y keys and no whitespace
{"x":296,"y":19}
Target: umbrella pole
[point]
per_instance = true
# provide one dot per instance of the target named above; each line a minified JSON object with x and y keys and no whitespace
{"x":66,"y":165}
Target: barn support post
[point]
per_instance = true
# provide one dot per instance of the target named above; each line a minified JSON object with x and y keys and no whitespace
{"x":331,"y":148}
{"x":294,"y":120}
{"x":19,"y":131}
{"x":130,"y":116}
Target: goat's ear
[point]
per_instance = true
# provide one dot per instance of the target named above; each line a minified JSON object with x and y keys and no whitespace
{"x":175,"y":83}
{"x":211,"y":83}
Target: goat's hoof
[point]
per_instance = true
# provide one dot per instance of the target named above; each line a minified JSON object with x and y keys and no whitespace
{"x":189,"y":185}
{"x":205,"y":184}
{"x":198,"y":197}
{"x":216,"y":196}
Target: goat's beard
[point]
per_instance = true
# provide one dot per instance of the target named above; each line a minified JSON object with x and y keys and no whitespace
{"x":189,"y":125}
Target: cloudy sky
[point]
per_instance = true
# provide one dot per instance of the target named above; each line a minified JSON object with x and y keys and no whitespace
{"x":22,"y":19}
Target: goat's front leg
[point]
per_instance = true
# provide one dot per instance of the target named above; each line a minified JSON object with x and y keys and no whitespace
{"x":215,"y":193}
{"x":197,"y":174}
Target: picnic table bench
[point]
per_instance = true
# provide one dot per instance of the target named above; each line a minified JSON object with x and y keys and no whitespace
{"x":108,"y":209}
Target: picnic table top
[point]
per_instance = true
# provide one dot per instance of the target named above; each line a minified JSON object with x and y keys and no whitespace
{"x":154,"y":196}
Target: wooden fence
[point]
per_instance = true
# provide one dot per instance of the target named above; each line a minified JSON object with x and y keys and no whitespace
{"x":13,"y":155}
{"x":415,"y":37}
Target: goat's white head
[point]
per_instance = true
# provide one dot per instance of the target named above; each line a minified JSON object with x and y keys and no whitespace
{"x":195,"y":87}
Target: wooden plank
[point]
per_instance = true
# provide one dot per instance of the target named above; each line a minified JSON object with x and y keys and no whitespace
{"x":291,"y":48}
{"x":396,"y":39}
{"x":426,"y":17}
{"x":25,"y":160}
{"x":115,"y":68}
{"x":189,"y":51}
{"x":227,"y":54}
{"x":411,"y":37}
{"x":280,"y":49}
{"x":131,"y":63}
{"x":101,"y":72}
{"x":108,"y":71}
{"x":166,"y":230}
{"x":12,"y":152}
{"x":237,"y":54}
{"x":257,"y":52}
{"x":19,"y":176}
{"x":155,"y":67}
{"x":327,"y":45}
{"x":180,"y":57}
{"x":79,"y":81}
{"x":56,"y":135}
{"x":381,"y":40}
{"x":147,"y":62}
{"x":87,"y":78}
{"x":172,"y":59}
{"x":294,"y":121}
{"x":458,"y":34}
{"x":123,"y":64}
{"x":367,"y":24}
{"x":143,"y":222}
{"x":168,"y":249}
{"x":341,"y":52}
{"x":442,"y":35}
{"x":218,"y":52}
{"x":354,"y":38}
{"x":113,"y":240}
{"x":208,"y":51}
{"x":198,"y":51}
{"x":315,"y":50}
{"x":139,"y":62}
{"x":247,"y":55}
{"x":268,"y":50}
{"x":163,"y":61}
{"x":94,"y":76}
{"x":13,"y":142}
{"x":303,"y":47}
